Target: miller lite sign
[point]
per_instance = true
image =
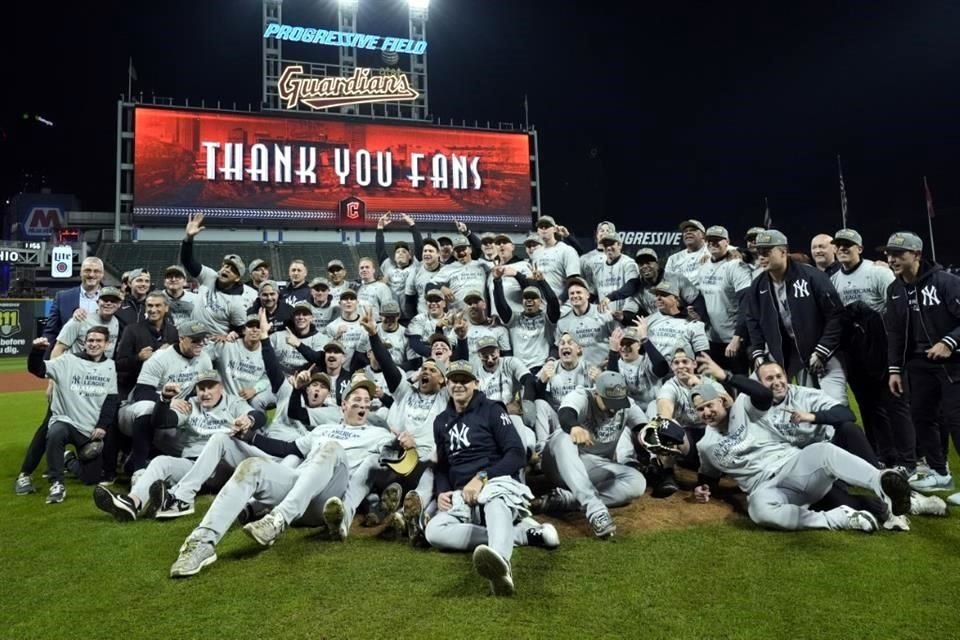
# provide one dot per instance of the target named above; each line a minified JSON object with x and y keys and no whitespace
{"x":41,"y":222}
{"x":61,"y":262}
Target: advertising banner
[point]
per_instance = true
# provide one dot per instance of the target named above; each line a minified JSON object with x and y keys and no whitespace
{"x":257,"y":171}
{"x":17,"y":327}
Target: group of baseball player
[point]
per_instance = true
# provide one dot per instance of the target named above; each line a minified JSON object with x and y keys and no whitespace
{"x":428,"y":394}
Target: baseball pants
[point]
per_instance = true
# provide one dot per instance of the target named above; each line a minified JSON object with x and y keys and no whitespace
{"x":134,"y":421}
{"x":167,"y":468}
{"x":547,"y":420}
{"x":596,"y":482}
{"x":370,"y":475}
{"x":463,"y":527}
{"x":934,"y":391}
{"x":221,"y":450}
{"x":832,"y":380}
{"x":783,"y":501}
{"x":59,"y":435}
{"x":297,"y":494}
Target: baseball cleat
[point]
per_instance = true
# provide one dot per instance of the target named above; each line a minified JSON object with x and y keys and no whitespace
{"x":897,"y":523}
{"x":895,"y":491}
{"x":544,"y":536}
{"x":159,"y":499}
{"x":391,"y":497}
{"x":175,"y":509}
{"x":70,"y":463}
{"x":57,"y":493}
{"x":24,"y":485}
{"x":333,"y":518}
{"x":412,"y":512}
{"x":491,"y":565}
{"x":954,"y":499}
{"x":267,"y":529}
{"x":556,"y":501}
{"x":602,"y":524}
{"x":931,"y":481}
{"x":194,"y":556}
{"x":921,"y":505}
{"x":859,"y":520}
{"x":395,"y":528}
{"x":665,"y":486}
{"x":121,"y":507}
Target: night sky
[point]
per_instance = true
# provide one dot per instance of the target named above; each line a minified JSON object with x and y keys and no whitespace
{"x":646,"y":115}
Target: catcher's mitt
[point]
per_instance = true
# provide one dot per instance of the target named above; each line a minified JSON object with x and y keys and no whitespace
{"x":90,"y":450}
{"x":401,"y":461}
{"x":662,"y":437}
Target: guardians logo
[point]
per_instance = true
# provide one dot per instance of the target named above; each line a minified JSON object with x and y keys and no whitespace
{"x":326,"y":92}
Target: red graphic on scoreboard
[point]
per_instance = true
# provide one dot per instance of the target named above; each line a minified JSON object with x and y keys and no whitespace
{"x":256,"y":170}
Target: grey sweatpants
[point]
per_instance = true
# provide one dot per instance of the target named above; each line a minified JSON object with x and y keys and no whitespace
{"x":369,"y":474}
{"x":296,"y":494}
{"x":596,"y":482}
{"x":783,"y":501}
{"x":221,"y":449}
{"x":832,"y":381}
{"x":462,"y":528}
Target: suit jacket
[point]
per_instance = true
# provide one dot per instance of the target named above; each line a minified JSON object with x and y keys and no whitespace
{"x":64,"y":304}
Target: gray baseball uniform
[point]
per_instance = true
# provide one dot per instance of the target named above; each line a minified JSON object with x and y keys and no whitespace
{"x":531,"y":337}
{"x":74,"y":333}
{"x":417,"y":285}
{"x":557,"y":263}
{"x":668,"y":333}
{"x":181,"y":309}
{"x":373,"y":295}
{"x":719,"y":282}
{"x":686,"y":263}
{"x":589,"y":263}
{"x":396,"y":277}
{"x":463,"y":278}
{"x":591,"y":472}
{"x":591,"y":330}
{"x":781,"y":480}
{"x":680,"y":395}
{"x":493,"y":329}
{"x":610,"y":277}
{"x":217,"y":310}
{"x":289,"y":358}
{"x":80,"y":388}
{"x":354,"y":336}
{"x":867,"y":283}
{"x":242,"y":368}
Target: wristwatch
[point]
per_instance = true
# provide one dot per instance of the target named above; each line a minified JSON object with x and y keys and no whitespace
{"x":483,"y":477}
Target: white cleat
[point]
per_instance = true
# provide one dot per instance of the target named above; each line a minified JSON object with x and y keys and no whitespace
{"x":491,"y":565}
{"x":954,"y":499}
{"x":897,"y":523}
{"x":921,"y":505}
{"x":333,"y":517}
{"x":267,"y":529}
{"x":859,"y":520}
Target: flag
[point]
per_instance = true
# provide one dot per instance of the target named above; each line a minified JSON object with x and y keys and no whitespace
{"x":131,"y":71}
{"x":843,"y":194}
{"x":767,"y":218}
{"x":926,"y":189}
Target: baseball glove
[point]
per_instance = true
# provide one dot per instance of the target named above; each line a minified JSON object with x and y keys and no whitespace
{"x":90,"y":450}
{"x":662,"y":437}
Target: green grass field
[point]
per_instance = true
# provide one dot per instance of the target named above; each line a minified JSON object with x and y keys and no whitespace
{"x":71,"y":571}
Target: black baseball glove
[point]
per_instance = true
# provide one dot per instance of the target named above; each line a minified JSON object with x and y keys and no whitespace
{"x":662,"y":437}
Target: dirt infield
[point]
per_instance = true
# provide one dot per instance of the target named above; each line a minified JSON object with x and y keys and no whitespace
{"x":20,"y":381}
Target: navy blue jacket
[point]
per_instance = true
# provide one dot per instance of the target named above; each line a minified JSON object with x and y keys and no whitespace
{"x":815,"y":310}
{"x":65,"y":302}
{"x":482,"y":438}
{"x":938,"y":294}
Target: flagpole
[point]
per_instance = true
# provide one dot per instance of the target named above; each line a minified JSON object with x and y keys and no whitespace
{"x":843,"y":195}
{"x":929,"y":198}
{"x":129,"y":79}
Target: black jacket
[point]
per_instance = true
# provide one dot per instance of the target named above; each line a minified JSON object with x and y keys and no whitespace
{"x":131,"y":312}
{"x":137,"y":337}
{"x":482,"y":438}
{"x":815,"y":310}
{"x":938,"y":294}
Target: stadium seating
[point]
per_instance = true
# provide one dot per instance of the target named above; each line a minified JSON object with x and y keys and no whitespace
{"x":156,"y":256}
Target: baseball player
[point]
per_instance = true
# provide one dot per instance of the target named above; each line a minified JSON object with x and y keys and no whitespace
{"x":241,"y":366}
{"x":259,"y":272}
{"x":372,"y":293}
{"x":169,"y":373}
{"x":668,"y":326}
{"x":180,"y":300}
{"x":481,"y":503}
{"x":324,"y":311}
{"x":83,"y":406}
{"x":557,"y":261}
{"x":480,"y":325}
{"x":639,"y":293}
{"x":636,"y":358}
{"x":559,"y":377}
{"x":462,"y":276}
{"x":210,"y":413}
{"x":531,"y":330}
{"x":501,"y":379}
{"x":614,"y":272}
{"x":724,"y":282}
{"x":426,"y":271}
{"x":591,"y":260}
{"x":398,"y":268}
{"x":392,"y":334}
{"x":220,"y":306}
{"x":589,"y":326}
{"x":780,"y":480}
{"x":132,"y":308}
{"x":794,"y":313}
{"x":862,"y":286}
{"x":923,"y":332}
{"x":296,"y":289}
{"x":687,"y":261}
{"x":299,"y":344}
{"x":512,"y":264}
{"x":425,"y":324}
{"x":73,"y":335}
{"x":584,"y":460}
{"x":308,"y":495}
{"x":346,"y":329}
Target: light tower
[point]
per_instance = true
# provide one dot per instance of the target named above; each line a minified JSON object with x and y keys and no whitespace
{"x":347,"y":21}
{"x":418,"y":11}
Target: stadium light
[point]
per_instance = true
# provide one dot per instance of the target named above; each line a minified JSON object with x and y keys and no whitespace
{"x":419,"y":4}
{"x":348,"y":4}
